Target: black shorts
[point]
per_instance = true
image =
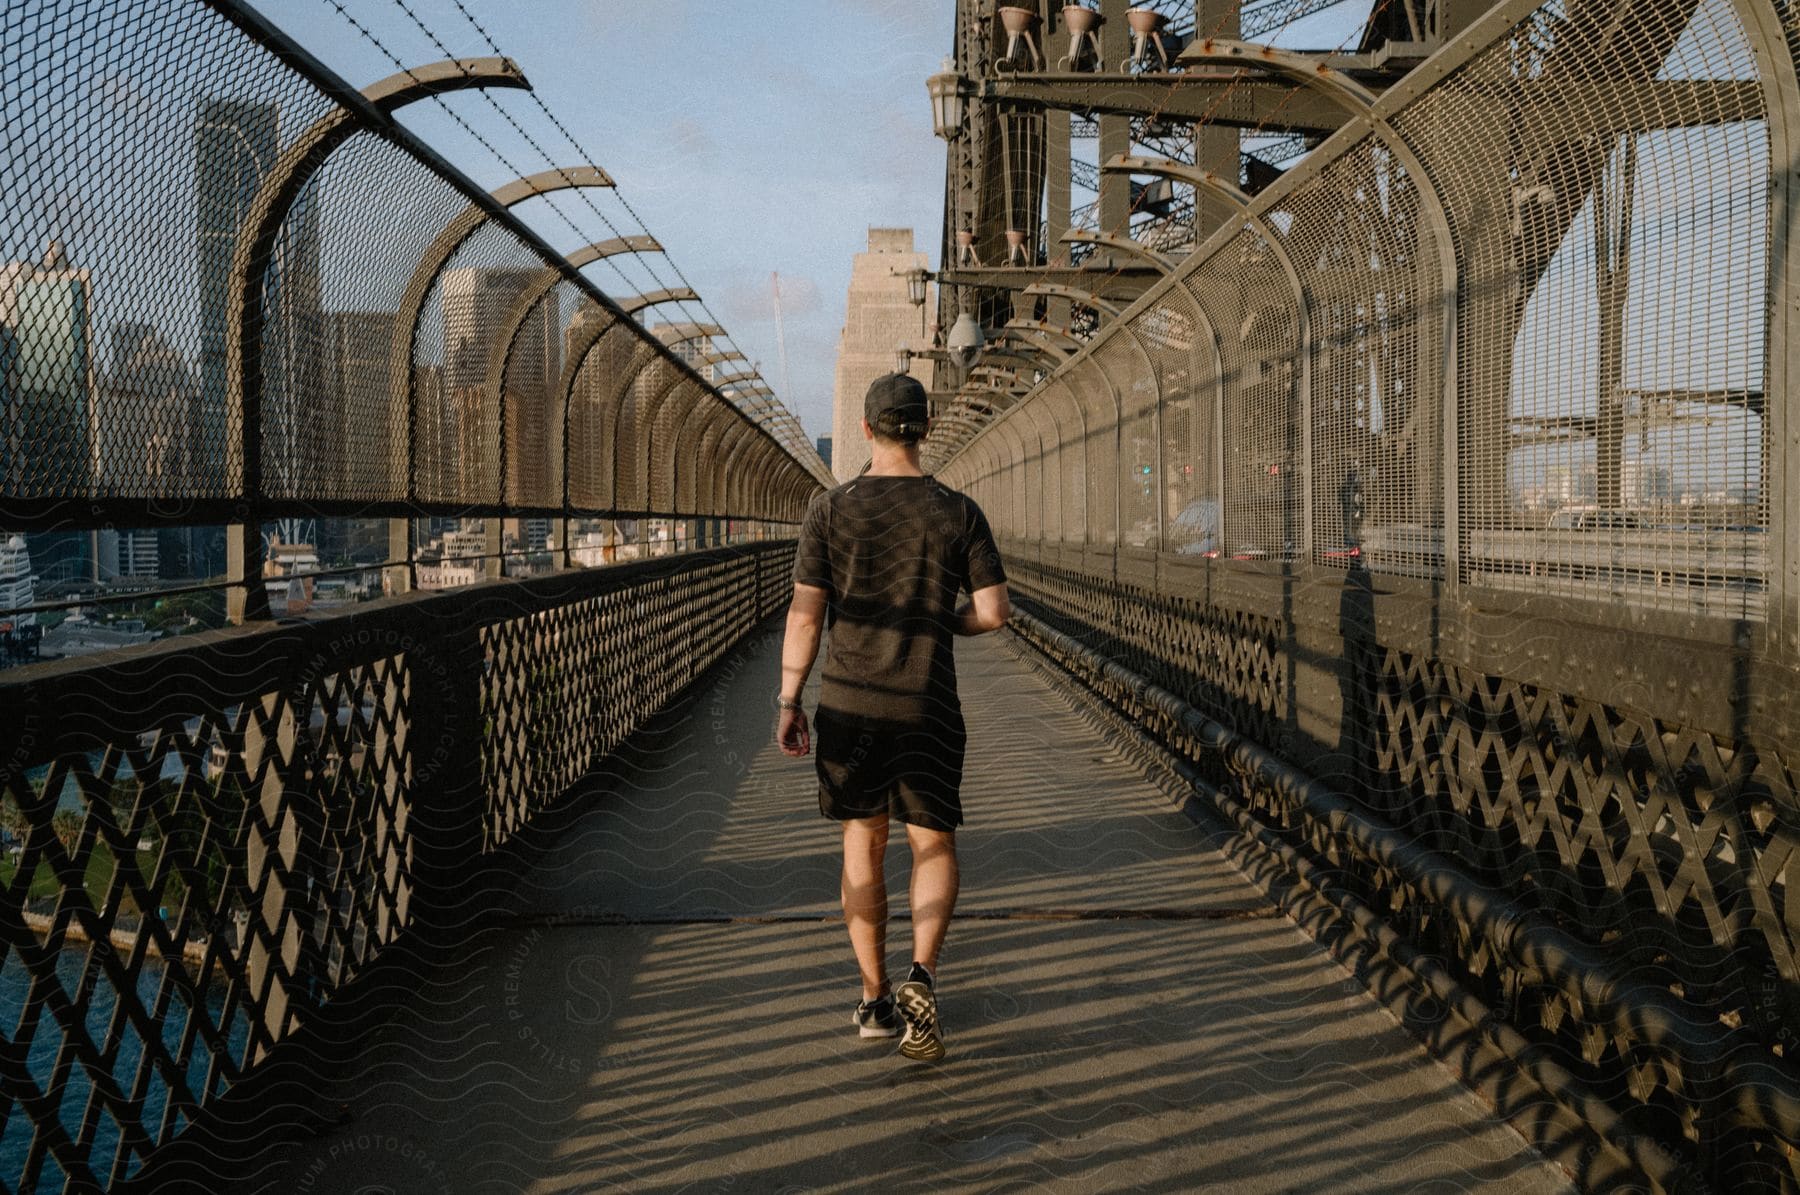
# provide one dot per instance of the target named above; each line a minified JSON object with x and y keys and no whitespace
{"x":911,"y":771}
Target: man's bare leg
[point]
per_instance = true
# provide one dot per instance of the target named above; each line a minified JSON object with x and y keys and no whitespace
{"x":865,"y":899}
{"x":934,"y":886}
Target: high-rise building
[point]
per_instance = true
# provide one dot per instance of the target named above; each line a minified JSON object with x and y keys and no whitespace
{"x":129,"y":555}
{"x":235,"y":143}
{"x":878,"y":318}
{"x":370,"y":432}
{"x":823,"y":444}
{"x":146,"y":402}
{"x":62,"y":560}
{"x":479,"y":306}
{"x":16,"y":591}
{"x":48,"y":418}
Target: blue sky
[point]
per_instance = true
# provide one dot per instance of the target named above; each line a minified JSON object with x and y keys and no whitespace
{"x":751,"y":139}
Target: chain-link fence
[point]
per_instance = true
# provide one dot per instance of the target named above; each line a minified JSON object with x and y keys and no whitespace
{"x":240,"y":301}
{"x":1446,"y":471}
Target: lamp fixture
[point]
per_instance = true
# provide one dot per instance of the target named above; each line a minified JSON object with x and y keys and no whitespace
{"x":948,"y":90}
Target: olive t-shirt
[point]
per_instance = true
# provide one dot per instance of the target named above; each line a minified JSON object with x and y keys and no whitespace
{"x":893,"y":553}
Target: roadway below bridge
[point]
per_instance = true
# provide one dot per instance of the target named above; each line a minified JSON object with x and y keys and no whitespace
{"x":663,"y":1003}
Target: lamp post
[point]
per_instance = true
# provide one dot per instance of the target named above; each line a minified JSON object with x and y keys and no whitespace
{"x":903,"y":358}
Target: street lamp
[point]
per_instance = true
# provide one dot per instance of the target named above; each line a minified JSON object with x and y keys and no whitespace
{"x":948,"y":90}
{"x":903,"y":358}
{"x":915,"y":285}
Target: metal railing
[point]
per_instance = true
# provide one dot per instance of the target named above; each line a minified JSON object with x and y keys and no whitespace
{"x":217,"y":835}
{"x":1445,"y":498}
{"x":238,"y":292}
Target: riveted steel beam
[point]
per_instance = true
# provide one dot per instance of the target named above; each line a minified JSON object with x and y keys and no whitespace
{"x":1226,"y":100}
{"x":1121,"y":284}
{"x":1308,"y":70}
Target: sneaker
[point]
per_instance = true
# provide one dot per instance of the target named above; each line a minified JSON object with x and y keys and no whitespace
{"x":924,"y":1039}
{"x":876,"y":1018}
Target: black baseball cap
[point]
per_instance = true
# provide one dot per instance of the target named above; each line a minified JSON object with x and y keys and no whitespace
{"x":899,"y":393}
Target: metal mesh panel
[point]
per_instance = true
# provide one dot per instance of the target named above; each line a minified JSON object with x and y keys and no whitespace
{"x":673,"y":424}
{"x":1374,"y":306}
{"x":564,"y":686}
{"x":126,"y":170}
{"x":458,"y":349}
{"x":1252,"y":306}
{"x":1611,"y":316}
{"x":648,"y":381}
{"x":1181,"y":352}
{"x":333,"y":427}
{"x":533,"y":397}
{"x":1071,"y":473}
{"x":1124,"y":364}
{"x":1100,"y":454}
{"x":239,"y":849}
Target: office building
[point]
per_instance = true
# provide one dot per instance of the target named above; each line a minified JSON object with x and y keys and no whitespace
{"x":49,"y":430}
{"x":479,"y":310}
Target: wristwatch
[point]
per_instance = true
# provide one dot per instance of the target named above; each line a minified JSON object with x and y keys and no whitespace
{"x":788,"y":703}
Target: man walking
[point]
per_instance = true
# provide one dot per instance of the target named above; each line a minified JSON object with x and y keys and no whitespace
{"x":882,"y":559}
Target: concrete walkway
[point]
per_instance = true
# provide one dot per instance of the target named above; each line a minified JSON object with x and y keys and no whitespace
{"x":671,"y":1009}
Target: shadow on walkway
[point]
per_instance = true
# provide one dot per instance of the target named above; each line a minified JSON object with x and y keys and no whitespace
{"x":666,"y":1007}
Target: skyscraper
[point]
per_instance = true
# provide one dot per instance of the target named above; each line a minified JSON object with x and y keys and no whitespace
{"x":146,"y":403}
{"x":48,"y":420}
{"x":478,"y":305}
{"x":360,"y":408}
{"x":235,"y":144}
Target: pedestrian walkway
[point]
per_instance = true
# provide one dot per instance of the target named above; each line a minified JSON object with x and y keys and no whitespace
{"x":669,"y":1010}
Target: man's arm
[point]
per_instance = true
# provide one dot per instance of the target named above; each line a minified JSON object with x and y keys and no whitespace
{"x":988,"y":610}
{"x":805,"y":624}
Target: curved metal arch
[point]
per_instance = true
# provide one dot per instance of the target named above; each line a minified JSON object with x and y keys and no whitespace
{"x":255,"y":245}
{"x":733,"y":379}
{"x":682,"y":333}
{"x":1049,"y":396}
{"x":1303,"y":69}
{"x":513,"y":323}
{"x":645,"y":410}
{"x":436,"y":258}
{"x":1039,"y":469}
{"x":1196,"y":176}
{"x":1041,"y":328}
{"x":665,"y":450}
{"x":654,"y":298}
{"x":724,"y":496}
{"x":1215,"y":409}
{"x":1074,"y":294}
{"x":1124,"y":244}
{"x":714,"y":420}
{"x":764,"y":457}
{"x":1153,"y":409}
{"x":727,"y":355}
{"x":644,"y":355}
